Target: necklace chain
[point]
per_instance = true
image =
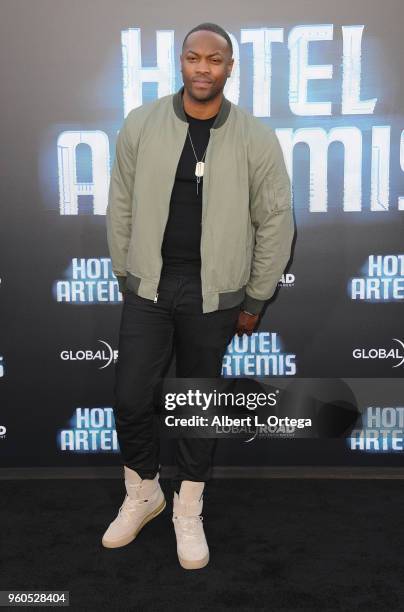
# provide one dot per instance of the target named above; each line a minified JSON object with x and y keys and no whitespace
{"x":198,"y":163}
{"x":192,"y":145}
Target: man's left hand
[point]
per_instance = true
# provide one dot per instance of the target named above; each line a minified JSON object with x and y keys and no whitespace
{"x":246,"y":323}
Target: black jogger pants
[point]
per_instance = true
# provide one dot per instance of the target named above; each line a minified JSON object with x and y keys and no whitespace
{"x":149,"y":333}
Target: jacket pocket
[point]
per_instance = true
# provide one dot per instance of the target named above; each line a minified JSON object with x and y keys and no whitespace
{"x":278,"y":194}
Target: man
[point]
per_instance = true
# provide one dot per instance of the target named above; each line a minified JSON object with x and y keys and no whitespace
{"x":199,"y":228}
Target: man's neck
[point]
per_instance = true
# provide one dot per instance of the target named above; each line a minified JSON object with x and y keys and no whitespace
{"x":201,"y":110}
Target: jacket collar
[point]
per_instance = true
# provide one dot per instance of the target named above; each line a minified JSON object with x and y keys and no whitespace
{"x":222,"y":115}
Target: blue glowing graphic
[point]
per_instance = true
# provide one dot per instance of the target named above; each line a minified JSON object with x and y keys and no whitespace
{"x":382,"y":280}
{"x":88,"y":281}
{"x":260,"y":354}
{"x":382,"y":431}
{"x":309,"y":84}
{"x":90,"y":430}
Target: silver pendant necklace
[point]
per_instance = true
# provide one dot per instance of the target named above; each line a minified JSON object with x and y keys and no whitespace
{"x":200,"y":165}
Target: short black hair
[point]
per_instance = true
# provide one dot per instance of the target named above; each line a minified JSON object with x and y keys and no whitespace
{"x":211,"y":27}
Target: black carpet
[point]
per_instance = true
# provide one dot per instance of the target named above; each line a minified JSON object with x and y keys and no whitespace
{"x":292,"y":544}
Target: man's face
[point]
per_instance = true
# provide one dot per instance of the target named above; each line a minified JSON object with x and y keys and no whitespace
{"x":205,"y":64}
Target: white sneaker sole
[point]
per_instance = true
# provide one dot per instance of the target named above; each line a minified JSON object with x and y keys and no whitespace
{"x":130,"y":537}
{"x":198,"y":564}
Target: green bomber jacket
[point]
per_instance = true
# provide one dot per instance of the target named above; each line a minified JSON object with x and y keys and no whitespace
{"x":247,"y":216}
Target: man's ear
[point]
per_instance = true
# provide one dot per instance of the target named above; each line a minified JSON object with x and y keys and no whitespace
{"x":231,"y":62}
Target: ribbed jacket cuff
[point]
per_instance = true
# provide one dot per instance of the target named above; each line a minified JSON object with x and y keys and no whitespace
{"x":252,"y":305}
{"x":122,"y":283}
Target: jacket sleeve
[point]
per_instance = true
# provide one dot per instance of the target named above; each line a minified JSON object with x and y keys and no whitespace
{"x":272,"y":216}
{"x":119,"y":208}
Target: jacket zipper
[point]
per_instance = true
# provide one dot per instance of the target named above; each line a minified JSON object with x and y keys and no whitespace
{"x":205,"y":201}
{"x":155,"y":297}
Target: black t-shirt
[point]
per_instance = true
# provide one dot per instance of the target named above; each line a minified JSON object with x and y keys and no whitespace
{"x":181,"y":244}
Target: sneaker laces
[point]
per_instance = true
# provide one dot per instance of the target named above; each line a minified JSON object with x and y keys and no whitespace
{"x":189,"y":525}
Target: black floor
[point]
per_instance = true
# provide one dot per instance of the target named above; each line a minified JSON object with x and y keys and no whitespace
{"x":292,"y":544}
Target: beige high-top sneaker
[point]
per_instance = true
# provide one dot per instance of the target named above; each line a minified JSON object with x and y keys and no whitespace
{"x":143,"y":501}
{"x":192,"y":548}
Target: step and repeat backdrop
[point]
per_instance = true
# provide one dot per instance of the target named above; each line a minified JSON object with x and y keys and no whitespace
{"x":328,"y":78}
